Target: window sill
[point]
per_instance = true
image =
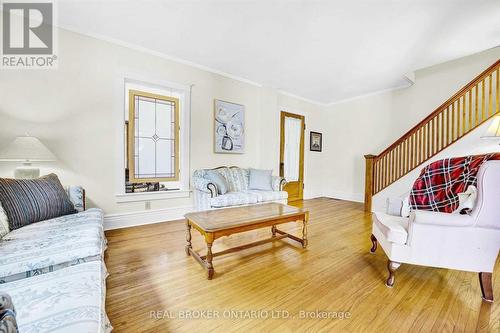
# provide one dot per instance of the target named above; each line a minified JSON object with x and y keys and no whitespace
{"x":149,"y":196}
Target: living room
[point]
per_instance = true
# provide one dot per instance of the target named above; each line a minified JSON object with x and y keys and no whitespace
{"x":274,"y":112}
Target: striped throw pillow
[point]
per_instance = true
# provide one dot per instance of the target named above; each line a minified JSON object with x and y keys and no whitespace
{"x":27,"y":201}
{"x":4,"y":222}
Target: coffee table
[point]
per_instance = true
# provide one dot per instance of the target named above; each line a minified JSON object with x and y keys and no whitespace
{"x":213,"y":224}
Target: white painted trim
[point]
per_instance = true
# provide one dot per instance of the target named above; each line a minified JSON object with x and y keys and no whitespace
{"x":160,"y":55}
{"x":285,"y":93}
{"x":218,"y":72}
{"x":410,"y":77}
{"x":126,"y":220}
{"x":149,"y":196}
{"x":123,"y":79}
{"x":378,"y":92}
{"x":356,"y":197}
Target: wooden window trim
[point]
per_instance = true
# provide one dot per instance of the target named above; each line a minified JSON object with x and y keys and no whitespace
{"x":131,"y":137}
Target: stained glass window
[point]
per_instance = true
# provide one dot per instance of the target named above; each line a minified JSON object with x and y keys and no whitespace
{"x":153,"y":137}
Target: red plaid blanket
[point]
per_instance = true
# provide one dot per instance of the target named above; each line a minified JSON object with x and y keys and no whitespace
{"x":437,"y":187}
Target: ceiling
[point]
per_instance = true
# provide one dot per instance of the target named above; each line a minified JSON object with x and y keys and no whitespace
{"x":324,"y":51}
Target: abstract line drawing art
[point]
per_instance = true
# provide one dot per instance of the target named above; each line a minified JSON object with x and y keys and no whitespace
{"x":229,"y":127}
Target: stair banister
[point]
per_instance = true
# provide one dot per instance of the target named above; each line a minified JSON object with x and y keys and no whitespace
{"x":471,"y":106}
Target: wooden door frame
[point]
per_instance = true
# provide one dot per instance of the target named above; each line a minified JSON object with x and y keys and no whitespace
{"x":283,"y":115}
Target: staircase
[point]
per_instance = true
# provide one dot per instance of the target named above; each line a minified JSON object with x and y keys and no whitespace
{"x":463,"y":112}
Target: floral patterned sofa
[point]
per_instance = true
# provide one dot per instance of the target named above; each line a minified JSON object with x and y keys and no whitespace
{"x":206,"y":194}
{"x":54,"y":271}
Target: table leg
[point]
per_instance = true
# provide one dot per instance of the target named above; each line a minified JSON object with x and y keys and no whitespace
{"x":210,"y":267}
{"x":188,"y":237}
{"x":304,"y":230}
{"x":273,"y":230}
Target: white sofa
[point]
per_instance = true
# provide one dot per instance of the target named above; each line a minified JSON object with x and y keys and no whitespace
{"x":463,"y":242}
{"x":207,"y":196}
{"x":54,"y":271}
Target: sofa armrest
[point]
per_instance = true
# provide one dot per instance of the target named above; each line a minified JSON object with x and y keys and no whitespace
{"x":442,"y":219}
{"x":76,"y":195}
{"x":278,"y":183}
{"x":205,"y":185}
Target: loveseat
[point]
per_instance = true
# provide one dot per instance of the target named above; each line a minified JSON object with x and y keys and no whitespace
{"x":54,"y":271}
{"x":208,"y":196}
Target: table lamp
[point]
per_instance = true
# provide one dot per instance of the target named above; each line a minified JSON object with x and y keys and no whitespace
{"x":493,"y":131}
{"x":26,"y":149}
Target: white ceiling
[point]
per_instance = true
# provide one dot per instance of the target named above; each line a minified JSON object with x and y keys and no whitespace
{"x":325,"y":51}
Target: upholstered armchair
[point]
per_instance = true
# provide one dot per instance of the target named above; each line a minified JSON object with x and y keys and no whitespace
{"x":462,"y":242}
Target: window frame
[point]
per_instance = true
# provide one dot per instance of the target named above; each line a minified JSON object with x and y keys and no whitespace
{"x":131,"y":137}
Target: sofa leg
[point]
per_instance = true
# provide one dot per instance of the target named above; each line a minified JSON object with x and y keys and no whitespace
{"x":374,"y":244}
{"x":485,"y":281}
{"x":392,"y":266}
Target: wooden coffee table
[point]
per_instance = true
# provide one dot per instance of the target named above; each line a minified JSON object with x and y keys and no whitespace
{"x":214,"y":224}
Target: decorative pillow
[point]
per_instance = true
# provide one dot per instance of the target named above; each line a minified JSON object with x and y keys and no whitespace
{"x":260,"y":180}
{"x":405,"y":209}
{"x":4,"y":222}
{"x":218,"y":180}
{"x":27,"y":201}
{"x":467,"y":200}
{"x":8,"y":322}
{"x":393,"y":206}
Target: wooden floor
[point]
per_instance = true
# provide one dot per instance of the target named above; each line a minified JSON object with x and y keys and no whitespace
{"x":153,"y":285}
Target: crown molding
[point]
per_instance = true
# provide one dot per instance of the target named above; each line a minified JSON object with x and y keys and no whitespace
{"x":407,"y":77}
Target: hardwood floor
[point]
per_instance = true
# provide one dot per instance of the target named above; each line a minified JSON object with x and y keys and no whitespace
{"x":152,"y":281}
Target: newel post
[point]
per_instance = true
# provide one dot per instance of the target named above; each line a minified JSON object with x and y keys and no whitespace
{"x":369,"y":159}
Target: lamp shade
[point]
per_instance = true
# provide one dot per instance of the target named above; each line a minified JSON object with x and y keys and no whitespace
{"x":493,"y":130}
{"x":26,"y":149}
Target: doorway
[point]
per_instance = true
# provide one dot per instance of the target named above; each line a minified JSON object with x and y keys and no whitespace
{"x":292,"y":154}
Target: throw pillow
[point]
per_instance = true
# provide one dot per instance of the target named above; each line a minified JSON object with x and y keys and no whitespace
{"x":218,"y":180}
{"x":260,"y":180}
{"x":405,"y":209}
{"x":8,"y":321}
{"x":467,"y":200}
{"x":4,"y":222}
{"x":27,"y":201}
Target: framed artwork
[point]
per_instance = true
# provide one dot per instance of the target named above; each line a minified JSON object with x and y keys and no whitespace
{"x":315,"y":141}
{"x":229,"y":119}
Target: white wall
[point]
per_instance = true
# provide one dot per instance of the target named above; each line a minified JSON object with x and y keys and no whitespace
{"x":77,"y":111}
{"x":369,"y":124}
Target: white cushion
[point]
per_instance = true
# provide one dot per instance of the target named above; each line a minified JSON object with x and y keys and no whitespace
{"x":467,"y":199}
{"x":394,"y":206}
{"x":260,"y":180}
{"x":233,"y":199}
{"x":406,"y":209}
{"x":394,"y":228}
{"x":265,"y":196}
{"x":68,"y":300}
{"x":52,"y":244}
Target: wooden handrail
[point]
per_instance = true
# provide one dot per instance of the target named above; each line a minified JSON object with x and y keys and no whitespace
{"x":460,"y":93}
{"x":467,"y":109}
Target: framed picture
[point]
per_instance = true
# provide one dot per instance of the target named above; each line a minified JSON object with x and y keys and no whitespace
{"x":229,"y":119}
{"x":315,"y":141}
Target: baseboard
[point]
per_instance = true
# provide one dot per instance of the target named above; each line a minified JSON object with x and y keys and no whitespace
{"x":356,"y":197}
{"x":132,"y":219}
{"x":125,"y":220}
